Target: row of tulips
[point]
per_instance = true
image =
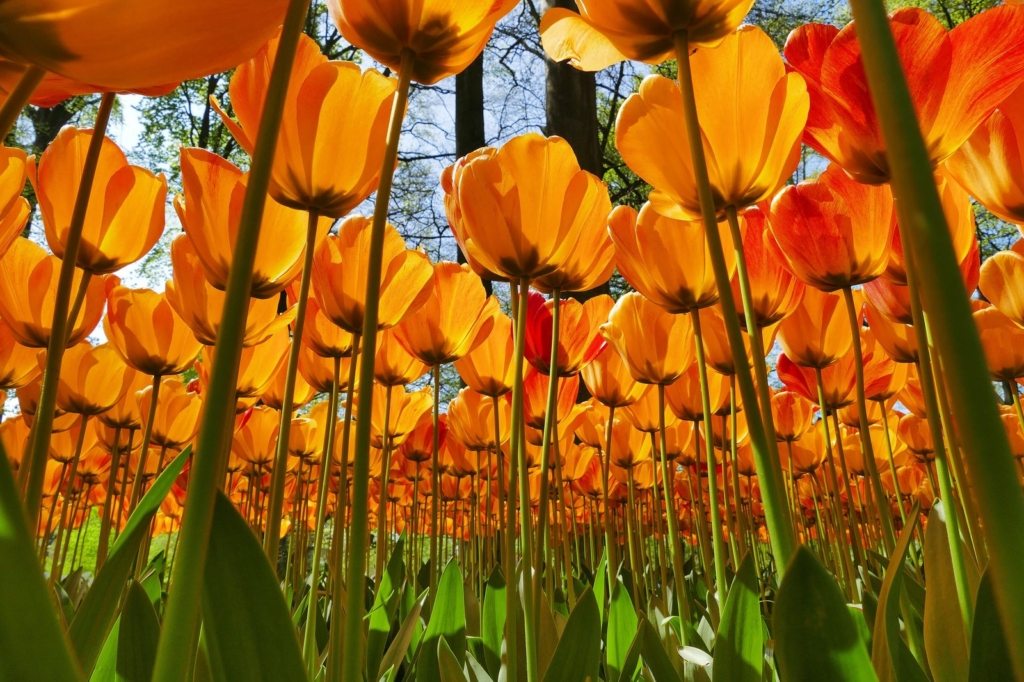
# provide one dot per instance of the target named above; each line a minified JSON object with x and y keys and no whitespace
{"x":640,"y":487}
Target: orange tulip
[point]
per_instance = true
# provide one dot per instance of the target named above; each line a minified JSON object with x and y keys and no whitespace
{"x":125,"y":412}
{"x":792,"y":415}
{"x":488,"y":368}
{"x":751,"y":116}
{"x":304,"y":439}
{"x":890,"y":299}
{"x":255,"y":437}
{"x":143,"y":327}
{"x":210,"y":209}
{"x":471,"y":418}
{"x":176,"y":420}
{"x":526,"y":208}
{"x":256,"y":367}
{"x":318,"y":371}
{"x":644,"y":413}
{"x":28,"y":403}
{"x":717,"y":349}
{"x":838,"y":380}
{"x":657,"y":346}
{"x":14,"y":209}
{"x":535,"y":398}
{"x":450,"y":178}
{"x":956,"y":78}
{"x":898,"y":340}
{"x":339,"y":276}
{"x":406,"y":410}
{"x":88,"y":40}
{"x":1002,"y":281}
{"x":328,"y":101}
{"x":579,"y":342}
{"x":609,"y":380}
{"x":14,"y":435}
{"x":834,"y":232}
{"x":774,"y":290}
{"x":628,"y":446}
{"x":200,"y":305}
{"x":817,"y":333}
{"x":1003,"y":343}
{"x":990,"y":165}
{"x":273,"y":394}
{"x":665,"y":259}
{"x":322,"y":336}
{"x":18,"y":364}
{"x":916,"y":434}
{"x":393,"y":365}
{"x":610,"y":31}
{"x":125,"y":214}
{"x":454,"y":317}
{"x":684,"y":398}
{"x":92,"y":379}
{"x":440,"y":38}
{"x":28,"y":283}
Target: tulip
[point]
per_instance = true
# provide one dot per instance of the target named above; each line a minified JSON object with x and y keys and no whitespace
{"x":793,"y":415}
{"x":210,"y":212}
{"x":897,"y":339}
{"x":256,"y":368}
{"x":989,"y":164}
{"x":655,"y":345}
{"x":340,"y":271}
{"x":87,"y":41}
{"x":14,"y":209}
{"x":254,"y":438}
{"x":816,"y":334}
{"x":176,"y":417}
{"x":323,"y":337}
{"x":1000,"y":281}
{"x":432,"y":39}
{"x":609,"y":380}
{"x":487,"y":368}
{"x":578,"y":341}
{"x":834,"y":388}
{"x":679,"y":284}
{"x":328,"y":101}
{"x":92,"y":379}
{"x":125,"y":214}
{"x":751,"y":115}
{"x":685,"y":397}
{"x":606,"y":32}
{"x":200,"y":305}
{"x":450,"y":178}
{"x":956,"y":79}
{"x":18,"y":365}
{"x":393,"y":364}
{"x":479,"y":422}
{"x":1003,"y":343}
{"x":775,"y":291}
{"x":28,"y":283}
{"x":144,"y":329}
{"x":273,"y":394}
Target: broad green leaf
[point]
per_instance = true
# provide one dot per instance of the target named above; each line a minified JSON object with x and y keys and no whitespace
{"x":990,"y":651}
{"x":601,"y":582}
{"x":493,"y":626}
{"x":815,"y":637}
{"x":33,"y":646}
{"x":945,"y":637}
{"x":448,"y":666}
{"x":890,"y":655}
{"x":98,"y":611}
{"x":472,"y":610}
{"x":547,"y":638}
{"x":385,"y":607}
{"x":622,"y":629}
{"x":130,"y":650}
{"x":249,"y":631}
{"x":654,"y":654}
{"x":400,"y":644}
{"x":739,"y":646}
{"x":477,"y":673}
{"x":448,"y":620}
{"x":579,"y":650}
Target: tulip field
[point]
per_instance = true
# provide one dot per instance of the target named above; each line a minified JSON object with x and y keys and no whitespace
{"x":787,"y":445}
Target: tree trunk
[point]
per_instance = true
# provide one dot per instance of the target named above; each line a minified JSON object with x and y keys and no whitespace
{"x":470,"y":133}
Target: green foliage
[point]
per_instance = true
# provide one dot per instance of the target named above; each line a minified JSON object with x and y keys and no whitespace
{"x":739,"y":646}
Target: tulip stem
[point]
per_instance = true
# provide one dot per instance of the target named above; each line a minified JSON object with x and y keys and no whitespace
{"x":435,"y":479}
{"x":105,"y":517}
{"x":610,"y":535}
{"x":382,"y":497}
{"x":769,"y":471}
{"x":19,"y":97}
{"x":76,"y":305}
{"x":180,"y":632}
{"x":35,"y":466}
{"x":56,"y":564}
{"x":990,"y":464}
{"x":351,"y":653}
{"x":676,"y":545}
{"x":309,"y":649}
{"x":550,"y":417}
{"x":272,"y":537}
{"x":147,"y":437}
{"x":717,"y":542}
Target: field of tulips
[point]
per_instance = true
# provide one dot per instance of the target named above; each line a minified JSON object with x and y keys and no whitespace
{"x":793,"y":451}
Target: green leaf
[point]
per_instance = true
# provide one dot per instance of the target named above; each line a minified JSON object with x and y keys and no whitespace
{"x":385,"y":607}
{"x":601,"y":582}
{"x":448,"y":665}
{"x":33,"y":646}
{"x":815,"y":637}
{"x":248,"y":627}
{"x":579,"y":649}
{"x":448,"y":620}
{"x":889,"y":653}
{"x":739,"y":646}
{"x":945,"y":637}
{"x":990,"y":651}
{"x":654,"y":654}
{"x":137,"y":639}
{"x":493,"y":626}
{"x":400,"y":644}
{"x":98,"y":611}
{"x":622,"y":629}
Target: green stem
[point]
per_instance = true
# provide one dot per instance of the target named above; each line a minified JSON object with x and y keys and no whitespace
{"x":435,"y":480}
{"x":147,"y":437}
{"x":272,"y":538}
{"x":676,"y":545}
{"x":382,"y":498}
{"x":180,"y":631}
{"x":105,"y":517}
{"x":351,"y":653}
{"x":18,"y":98}
{"x":35,"y":463}
{"x":550,"y":417}
{"x":987,"y":455}
{"x":769,"y":471}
